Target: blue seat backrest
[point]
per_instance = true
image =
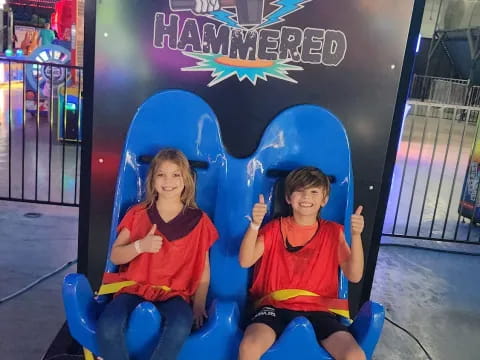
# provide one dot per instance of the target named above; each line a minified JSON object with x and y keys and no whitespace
{"x":173,"y":118}
{"x":307,"y":135}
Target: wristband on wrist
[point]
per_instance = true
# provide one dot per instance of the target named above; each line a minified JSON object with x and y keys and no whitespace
{"x":137,"y":246}
{"x":254,"y":226}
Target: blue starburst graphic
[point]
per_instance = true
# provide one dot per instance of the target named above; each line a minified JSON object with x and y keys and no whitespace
{"x":208,"y":62}
{"x":224,"y":17}
{"x":285,"y":7}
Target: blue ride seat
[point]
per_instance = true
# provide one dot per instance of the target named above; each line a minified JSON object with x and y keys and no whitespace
{"x":169,"y":119}
{"x":307,"y":135}
{"x":227,"y":188}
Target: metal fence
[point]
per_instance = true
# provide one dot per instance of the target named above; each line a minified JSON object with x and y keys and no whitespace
{"x":40,"y":131}
{"x":445,"y":91}
{"x":458,"y":14}
{"x":435,"y":177}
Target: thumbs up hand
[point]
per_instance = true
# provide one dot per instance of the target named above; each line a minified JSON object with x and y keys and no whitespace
{"x":357,"y":221}
{"x":151,"y":243}
{"x":259,"y":210}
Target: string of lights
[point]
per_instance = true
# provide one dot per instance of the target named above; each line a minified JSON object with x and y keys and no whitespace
{"x":48,"y":4}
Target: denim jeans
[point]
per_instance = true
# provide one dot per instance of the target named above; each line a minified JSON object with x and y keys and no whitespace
{"x":177,"y":319}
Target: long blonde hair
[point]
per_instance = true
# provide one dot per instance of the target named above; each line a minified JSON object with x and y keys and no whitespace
{"x":178,"y":158}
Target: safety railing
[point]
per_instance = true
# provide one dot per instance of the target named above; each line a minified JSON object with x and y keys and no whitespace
{"x":40,"y":131}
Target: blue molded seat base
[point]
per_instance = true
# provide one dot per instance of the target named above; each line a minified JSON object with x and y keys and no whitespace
{"x":220,"y":332}
{"x":299,"y":341}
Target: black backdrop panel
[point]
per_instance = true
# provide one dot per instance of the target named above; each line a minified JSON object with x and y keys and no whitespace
{"x":361,"y":90}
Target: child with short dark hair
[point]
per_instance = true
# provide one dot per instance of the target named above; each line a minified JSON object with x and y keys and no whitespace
{"x":296,"y":274}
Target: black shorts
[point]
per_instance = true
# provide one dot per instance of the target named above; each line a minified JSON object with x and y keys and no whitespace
{"x":324,"y":323}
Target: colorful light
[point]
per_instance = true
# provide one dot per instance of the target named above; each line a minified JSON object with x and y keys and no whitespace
{"x":71,"y":106}
{"x":418,"y":42}
{"x":47,"y":4}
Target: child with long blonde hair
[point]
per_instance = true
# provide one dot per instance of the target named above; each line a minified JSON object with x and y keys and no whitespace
{"x":162,"y":246}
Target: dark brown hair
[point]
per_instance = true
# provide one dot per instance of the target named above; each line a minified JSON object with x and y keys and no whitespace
{"x":304,"y":178}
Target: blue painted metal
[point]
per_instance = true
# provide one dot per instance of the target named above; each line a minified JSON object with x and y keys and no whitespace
{"x":227,"y":190}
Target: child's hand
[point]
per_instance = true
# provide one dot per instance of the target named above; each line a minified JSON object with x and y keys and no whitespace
{"x":259,"y":210}
{"x":151,"y":243}
{"x":199,"y":316}
{"x":357,"y":221}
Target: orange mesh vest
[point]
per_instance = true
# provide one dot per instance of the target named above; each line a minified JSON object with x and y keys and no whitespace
{"x":178,"y":265}
{"x":313,"y":268}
